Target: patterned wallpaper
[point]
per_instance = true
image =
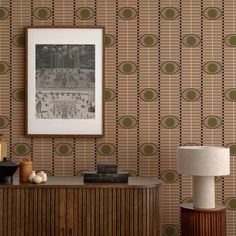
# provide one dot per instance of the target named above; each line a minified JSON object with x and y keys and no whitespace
{"x":169,"y":79}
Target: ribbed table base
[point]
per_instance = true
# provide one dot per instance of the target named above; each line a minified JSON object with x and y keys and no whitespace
{"x":203,"y":222}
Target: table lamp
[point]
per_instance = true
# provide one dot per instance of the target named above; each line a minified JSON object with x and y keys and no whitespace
{"x":203,"y":163}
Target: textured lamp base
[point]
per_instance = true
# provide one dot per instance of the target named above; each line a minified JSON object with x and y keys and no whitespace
{"x":204,"y":192}
{"x":202,"y":222}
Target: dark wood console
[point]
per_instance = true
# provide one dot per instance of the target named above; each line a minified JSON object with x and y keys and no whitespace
{"x":67,"y":206}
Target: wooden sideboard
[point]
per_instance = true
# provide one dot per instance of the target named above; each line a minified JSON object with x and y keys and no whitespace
{"x":203,"y":222}
{"x":67,"y":206}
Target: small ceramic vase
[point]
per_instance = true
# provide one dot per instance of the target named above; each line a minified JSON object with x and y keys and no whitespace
{"x":25,"y":169}
{"x":38,"y":179}
{"x":43,"y":175}
{"x":31,"y":176}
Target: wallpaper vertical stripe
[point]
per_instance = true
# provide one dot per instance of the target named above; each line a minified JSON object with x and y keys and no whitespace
{"x":180,"y":98}
{"x":223,"y":97}
{"x":169,"y":81}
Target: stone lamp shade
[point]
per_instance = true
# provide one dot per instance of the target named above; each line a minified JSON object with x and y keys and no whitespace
{"x":203,"y":163}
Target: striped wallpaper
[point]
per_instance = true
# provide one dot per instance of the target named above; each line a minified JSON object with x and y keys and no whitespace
{"x":169,"y":81}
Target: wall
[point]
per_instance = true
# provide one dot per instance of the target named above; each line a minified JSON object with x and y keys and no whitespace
{"x":169,"y":78}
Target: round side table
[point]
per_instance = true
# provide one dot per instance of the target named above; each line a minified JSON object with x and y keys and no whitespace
{"x":202,"y":222}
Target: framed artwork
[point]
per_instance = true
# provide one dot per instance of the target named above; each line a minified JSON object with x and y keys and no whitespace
{"x":64,"y":80}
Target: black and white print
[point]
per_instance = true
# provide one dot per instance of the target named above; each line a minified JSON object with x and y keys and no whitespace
{"x":65,"y":81}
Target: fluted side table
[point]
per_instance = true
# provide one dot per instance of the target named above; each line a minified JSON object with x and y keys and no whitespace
{"x":202,"y":222}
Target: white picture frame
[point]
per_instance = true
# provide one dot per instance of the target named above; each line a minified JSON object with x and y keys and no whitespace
{"x":64,"y":81}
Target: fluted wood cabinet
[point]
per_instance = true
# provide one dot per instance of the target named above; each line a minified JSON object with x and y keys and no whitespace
{"x":66,"y":206}
{"x":203,"y":222}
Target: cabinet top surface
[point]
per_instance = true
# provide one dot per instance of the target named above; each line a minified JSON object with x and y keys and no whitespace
{"x":73,"y":182}
{"x":189,"y":206}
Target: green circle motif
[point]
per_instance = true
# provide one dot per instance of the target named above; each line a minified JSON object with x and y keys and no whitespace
{"x":21,"y":149}
{"x":106,"y":149}
{"x":2,"y":13}
{"x":169,"y":176}
{"x":169,"y":122}
{"x":232,"y":203}
{"x":63,"y":149}
{"x":107,"y":40}
{"x":232,"y":95}
{"x":20,"y":95}
{"x":127,"y":13}
{"x":232,"y":40}
{"x":148,"y":149}
{"x":212,"y":13}
{"x":169,"y":67}
{"x":217,"y":179}
{"x":191,"y":95}
{"x":148,"y":95}
{"x":233,"y":149}
{"x":189,"y":200}
{"x":2,"y":67}
{"x":191,"y":40}
{"x":84,"y":13}
{"x":127,"y":67}
{"x":170,"y":13}
{"x":42,"y":13}
{"x":127,"y":122}
{"x":212,"y":122}
{"x":20,"y":40}
{"x":212,"y":68}
{"x":107,"y":95}
{"x":169,"y":230}
{"x":148,"y":40}
{"x":2,"y":122}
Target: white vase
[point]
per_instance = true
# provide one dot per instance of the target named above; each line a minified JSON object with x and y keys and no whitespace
{"x":31,"y":176}
{"x":38,"y":179}
{"x":43,"y":175}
